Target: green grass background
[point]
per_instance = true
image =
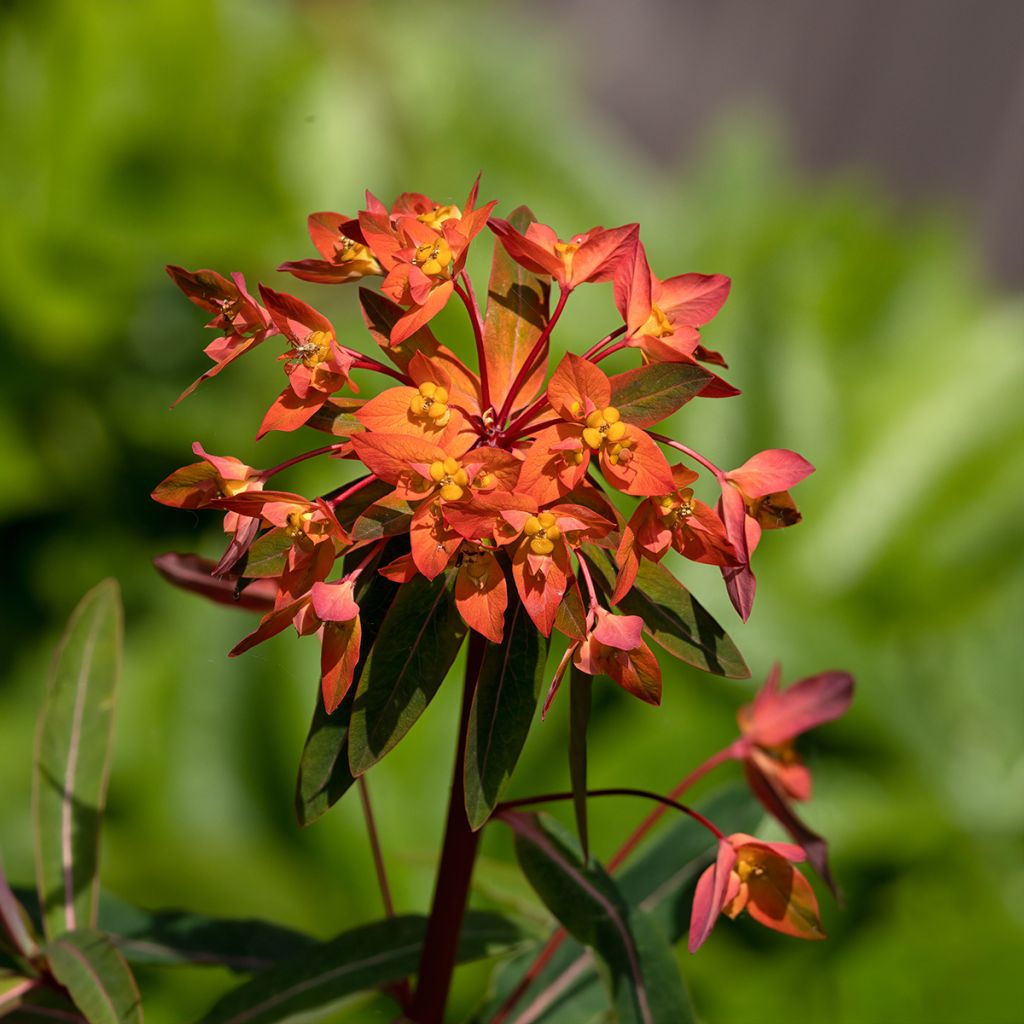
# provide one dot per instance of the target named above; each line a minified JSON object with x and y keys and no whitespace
{"x":863,"y":335}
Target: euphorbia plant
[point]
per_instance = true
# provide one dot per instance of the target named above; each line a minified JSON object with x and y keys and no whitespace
{"x":475,"y":500}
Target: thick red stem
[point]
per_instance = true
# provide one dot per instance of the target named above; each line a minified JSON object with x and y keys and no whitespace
{"x":451,"y":890}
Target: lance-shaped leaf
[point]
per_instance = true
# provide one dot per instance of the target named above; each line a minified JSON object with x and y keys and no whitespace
{"x":418,"y":641}
{"x":649,"y":394}
{"x":324,"y":775}
{"x":503,"y":709}
{"x":579,"y":718}
{"x":349,"y":510}
{"x":72,"y":760}
{"x":387,"y":517}
{"x":364,"y":958}
{"x":268,"y":556}
{"x":645,"y":984}
{"x":660,"y":881}
{"x":337,"y":416}
{"x":672,"y":616}
{"x":517,"y":312}
{"x":96,"y":976}
{"x":16,"y":932}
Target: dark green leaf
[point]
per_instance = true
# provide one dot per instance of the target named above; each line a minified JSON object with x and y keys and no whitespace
{"x":672,"y":616}
{"x":348,"y":511}
{"x":649,"y":394}
{"x":72,"y":758}
{"x":418,"y":641}
{"x":387,"y":517}
{"x":96,"y":977}
{"x":269,"y":554}
{"x":337,"y":416}
{"x":324,"y":776}
{"x":579,"y":717}
{"x":364,"y":958}
{"x":660,"y":881}
{"x":503,"y":709}
{"x":645,"y":984}
{"x":517,"y":311}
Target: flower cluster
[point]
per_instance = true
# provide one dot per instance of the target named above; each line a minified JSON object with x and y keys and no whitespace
{"x":496,"y":479}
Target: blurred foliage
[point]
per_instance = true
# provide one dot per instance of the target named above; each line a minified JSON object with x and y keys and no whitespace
{"x":201,"y":133}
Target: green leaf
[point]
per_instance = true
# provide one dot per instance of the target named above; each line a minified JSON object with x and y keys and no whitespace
{"x":72,"y":760}
{"x":337,"y":416}
{"x":16,"y":932}
{"x":269,"y":554}
{"x":579,"y":717}
{"x":649,"y":394}
{"x":387,"y":517}
{"x":517,"y":311}
{"x":660,"y":881}
{"x":324,"y":775}
{"x":96,"y":977}
{"x":418,"y":641}
{"x":366,"y":957}
{"x":348,"y":511}
{"x":672,"y":616}
{"x":645,"y":984}
{"x":503,"y":709}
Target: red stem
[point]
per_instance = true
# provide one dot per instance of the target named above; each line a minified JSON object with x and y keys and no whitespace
{"x":451,"y":890}
{"x":354,"y":489}
{"x":595,"y":348}
{"x":696,"y":456}
{"x":538,"y":965}
{"x":367,"y":363}
{"x":469,"y":301}
{"x":609,"y":351}
{"x":526,"y":369}
{"x":274,"y":470}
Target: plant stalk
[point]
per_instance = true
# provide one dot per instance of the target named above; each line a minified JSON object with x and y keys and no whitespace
{"x":451,"y":890}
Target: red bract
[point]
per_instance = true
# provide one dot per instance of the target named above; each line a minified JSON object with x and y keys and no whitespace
{"x":757,"y":877}
{"x":339,"y":241}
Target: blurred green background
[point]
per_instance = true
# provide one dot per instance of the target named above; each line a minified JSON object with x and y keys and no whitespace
{"x":862,"y":334}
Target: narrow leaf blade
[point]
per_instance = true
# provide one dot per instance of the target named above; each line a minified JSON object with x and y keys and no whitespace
{"x":579,"y":718}
{"x":72,"y":759}
{"x":418,"y":641}
{"x":96,"y":977}
{"x":672,"y":616}
{"x":517,"y":311}
{"x":504,"y":706}
{"x":364,"y":958}
{"x":651,"y":393}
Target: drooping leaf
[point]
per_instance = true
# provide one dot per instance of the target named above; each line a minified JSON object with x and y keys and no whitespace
{"x":72,"y":759}
{"x":651,"y":393}
{"x":337,"y":416}
{"x":417,"y":643}
{"x":96,"y":976}
{"x":364,"y":958}
{"x":645,"y":984}
{"x":503,"y":709}
{"x":324,"y":775}
{"x":269,"y":554}
{"x":517,"y":311}
{"x":386,"y":517}
{"x":672,"y":616}
{"x":660,"y":881}
{"x":579,"y":718}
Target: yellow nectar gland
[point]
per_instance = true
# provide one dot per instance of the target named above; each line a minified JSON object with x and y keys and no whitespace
{"x":438,"y":215}
{"x":297,"y":522}
{"x":675,"y":508}
{"x":431,"y":403}
{"x":748,"y":863}
{"x":347,"y":250}
{"x":315,"y":349}
{"x":657,"y":325}
{"x":604,"y":426}
{"x":474,"y":561}
{"x":567,"y":250}
{"x":433,"y":258}
{"x":542,"y":531}
{"x":453,"y":479}
{"x":229,"y":488}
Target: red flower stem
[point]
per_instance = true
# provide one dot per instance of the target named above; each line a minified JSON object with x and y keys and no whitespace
{"x":666,"y":801}
{"x":620,"y":855}
{"x":609,"y":351}
{"x":524,"y":418}
{"x":534,"y":427}
{"x":451,"y":890}
{"x":696,"y":456}
{"x":469,"y":301}
{"x":589,"y":581}
{"x":595,"y":348}
{"x":527,"y":368}
{"x":354,"y":489}
{"x":370,"y":556}
{"x":367,"y":363}
{"x":274,"y":470}
{"x":655,"y":816}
